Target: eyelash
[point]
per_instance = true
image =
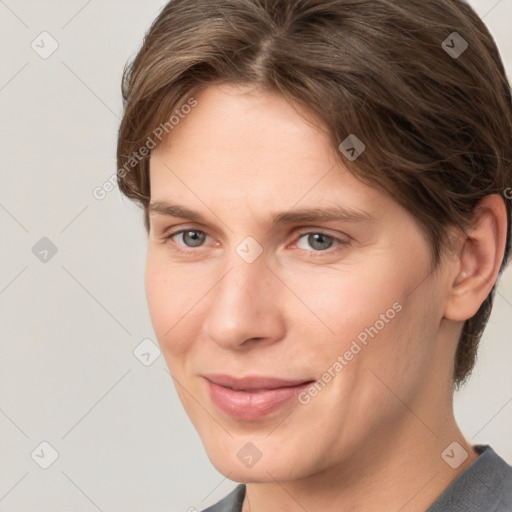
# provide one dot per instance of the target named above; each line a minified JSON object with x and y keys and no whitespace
{"x":340,"y":243}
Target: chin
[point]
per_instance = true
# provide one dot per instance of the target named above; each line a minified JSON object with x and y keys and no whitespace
{"x":259,"y":473}
{"x":240,"y":461}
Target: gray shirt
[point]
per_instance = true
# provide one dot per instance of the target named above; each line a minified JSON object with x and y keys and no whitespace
{"x":485,"y":486}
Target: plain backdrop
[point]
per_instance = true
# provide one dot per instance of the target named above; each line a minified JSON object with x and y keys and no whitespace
{"x":72,"y":299}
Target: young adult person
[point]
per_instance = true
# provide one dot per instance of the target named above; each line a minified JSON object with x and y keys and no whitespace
{"x":323,"y":185}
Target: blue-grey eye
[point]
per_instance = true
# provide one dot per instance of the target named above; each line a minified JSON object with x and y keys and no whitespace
{"x":192,"y":238}
{"x":318,"y":241}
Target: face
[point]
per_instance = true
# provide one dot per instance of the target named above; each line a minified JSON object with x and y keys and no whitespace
{"x":292,"y":303}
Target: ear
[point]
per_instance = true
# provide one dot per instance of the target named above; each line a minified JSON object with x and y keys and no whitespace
{"x":478,"y":264}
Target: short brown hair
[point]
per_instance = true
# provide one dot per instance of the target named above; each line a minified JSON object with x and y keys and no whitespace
{"x":437,"y":125}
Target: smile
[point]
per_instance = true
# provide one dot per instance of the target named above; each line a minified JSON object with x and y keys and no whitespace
{"x":252,"y":398}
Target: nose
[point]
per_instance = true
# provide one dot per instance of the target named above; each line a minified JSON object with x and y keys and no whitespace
{"x":244,"y":308}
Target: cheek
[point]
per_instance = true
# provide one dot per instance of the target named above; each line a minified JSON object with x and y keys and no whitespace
{"x":400,"y":336}
{"x":375,"y":317}
{"x":342,"y":303}
{"x":168,"y":303}
{"x":383,"y":341}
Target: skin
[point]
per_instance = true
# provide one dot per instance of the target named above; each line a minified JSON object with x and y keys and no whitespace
{"x":372,"y":438}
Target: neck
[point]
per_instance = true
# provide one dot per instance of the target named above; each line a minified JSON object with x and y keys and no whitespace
{"x":400,"y":469}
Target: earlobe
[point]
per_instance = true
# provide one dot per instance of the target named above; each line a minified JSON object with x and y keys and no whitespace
{"x":480,"y":259}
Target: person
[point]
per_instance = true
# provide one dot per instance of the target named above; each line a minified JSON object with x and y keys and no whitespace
{"x":323,"y":186}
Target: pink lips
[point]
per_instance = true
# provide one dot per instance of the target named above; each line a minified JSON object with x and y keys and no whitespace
{"x":252,"y":398}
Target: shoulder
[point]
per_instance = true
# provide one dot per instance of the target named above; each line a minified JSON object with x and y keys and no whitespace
{"x":231,"y":503}
{"x":485,"y":486}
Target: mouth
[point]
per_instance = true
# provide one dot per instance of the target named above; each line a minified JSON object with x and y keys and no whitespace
{"x":252,"y":398}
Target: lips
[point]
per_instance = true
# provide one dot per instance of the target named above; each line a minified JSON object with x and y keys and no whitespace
{"x":253,"y":383}
{"x":251,"y":398}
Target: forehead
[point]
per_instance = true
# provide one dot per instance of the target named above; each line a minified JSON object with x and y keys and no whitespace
{"x":231,"y":122}
{"x":247,"y":145}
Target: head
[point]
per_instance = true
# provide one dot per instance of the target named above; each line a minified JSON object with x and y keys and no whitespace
{"x":250,"y":112}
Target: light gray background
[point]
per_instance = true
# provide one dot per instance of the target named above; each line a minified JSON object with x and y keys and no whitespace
{"x":68,"y":375}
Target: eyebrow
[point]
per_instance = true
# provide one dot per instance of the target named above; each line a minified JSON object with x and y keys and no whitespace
{"x":337,"y":213}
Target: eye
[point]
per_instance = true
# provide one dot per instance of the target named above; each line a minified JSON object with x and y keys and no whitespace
{"x":190,"y":237}
{"x":318,"y":241}
{"x":187,"y":240}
